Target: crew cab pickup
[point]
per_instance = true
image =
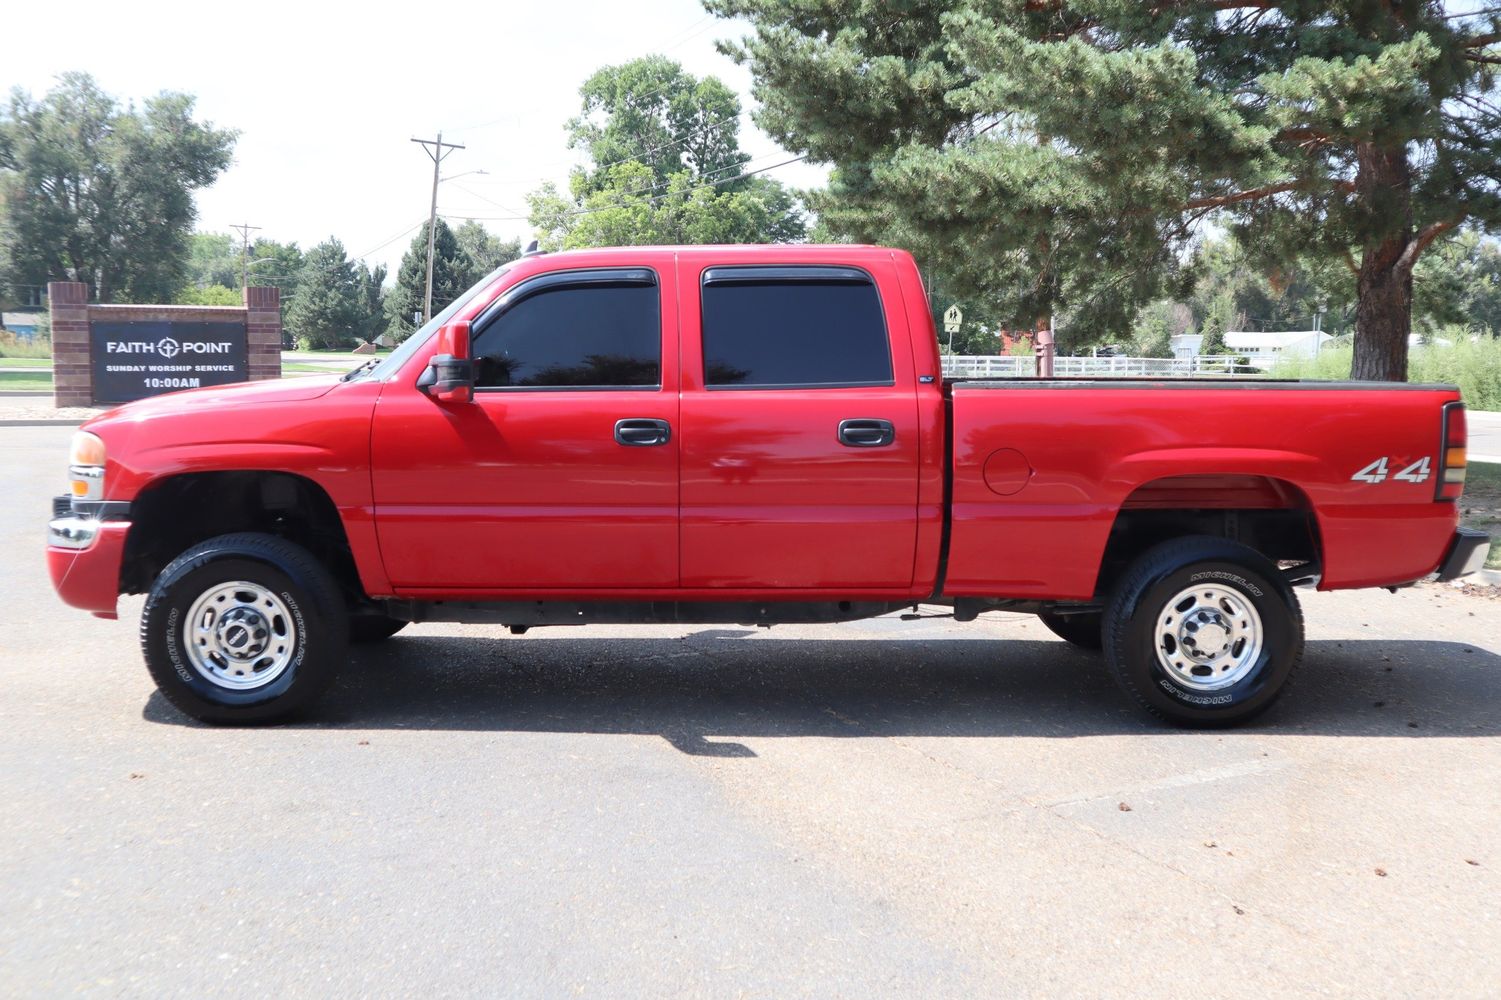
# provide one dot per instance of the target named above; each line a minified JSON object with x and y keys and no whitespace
{"x":748,"y":434}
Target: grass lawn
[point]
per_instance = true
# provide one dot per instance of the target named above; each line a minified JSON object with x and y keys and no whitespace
{"x":26,"y":381}
{"x":1480,"y":507}
{"x":25,"y":362}
{"x":329,"y":369}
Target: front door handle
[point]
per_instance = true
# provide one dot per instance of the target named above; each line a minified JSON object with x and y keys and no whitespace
{"x":866,"y":433}
{"x":642,"y":432}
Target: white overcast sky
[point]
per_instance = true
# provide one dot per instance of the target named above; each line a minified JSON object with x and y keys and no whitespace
{"x":327,"y":97}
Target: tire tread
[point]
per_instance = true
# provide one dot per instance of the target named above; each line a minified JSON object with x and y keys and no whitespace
{"x":1164,"y":559}
{"x":285,"y":557}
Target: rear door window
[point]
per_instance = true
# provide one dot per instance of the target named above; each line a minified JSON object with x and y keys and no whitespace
{"x":793,"y":327}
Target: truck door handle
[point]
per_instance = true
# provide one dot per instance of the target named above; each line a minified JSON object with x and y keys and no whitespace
{"x":866,"y":433}
{"x":642,"y":432}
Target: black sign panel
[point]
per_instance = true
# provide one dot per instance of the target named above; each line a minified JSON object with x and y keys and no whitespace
{"x":147,"y":358}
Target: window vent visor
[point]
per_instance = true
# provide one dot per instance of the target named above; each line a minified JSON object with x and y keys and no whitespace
{"x":1451,"y":480}
{"x":812,"y":274}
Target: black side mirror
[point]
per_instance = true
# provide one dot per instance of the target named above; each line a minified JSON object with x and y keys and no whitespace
{"x":450,"y":372}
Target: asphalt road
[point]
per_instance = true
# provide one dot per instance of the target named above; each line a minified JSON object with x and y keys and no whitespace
{"x":889,"y":809}
{"x":1485,"y":435}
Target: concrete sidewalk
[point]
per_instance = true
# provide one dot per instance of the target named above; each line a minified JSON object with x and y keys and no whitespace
{"x":18,"y":410}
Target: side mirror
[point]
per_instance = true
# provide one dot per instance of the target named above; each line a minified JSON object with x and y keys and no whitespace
{"x":450,"y":374}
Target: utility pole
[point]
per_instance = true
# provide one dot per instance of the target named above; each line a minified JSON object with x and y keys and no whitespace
{"x":244,"y":229}
{"x":439,"y":151}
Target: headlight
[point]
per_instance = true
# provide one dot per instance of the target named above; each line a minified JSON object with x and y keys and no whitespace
{"x":86,"y":466}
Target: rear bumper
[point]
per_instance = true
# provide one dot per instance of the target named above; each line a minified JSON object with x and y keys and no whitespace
{"x":1466,"y":554}
{"x":84,"y":552}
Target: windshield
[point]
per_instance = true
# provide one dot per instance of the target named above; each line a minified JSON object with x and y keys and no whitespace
{"x":392,"y":363}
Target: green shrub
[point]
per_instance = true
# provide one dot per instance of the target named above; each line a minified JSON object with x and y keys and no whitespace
{"x":1474,"y":366}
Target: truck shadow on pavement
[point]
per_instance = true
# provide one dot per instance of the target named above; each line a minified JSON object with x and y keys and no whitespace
{"x":701,"y":691}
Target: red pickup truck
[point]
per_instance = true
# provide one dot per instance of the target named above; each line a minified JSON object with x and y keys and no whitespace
{"x":750,"y":435}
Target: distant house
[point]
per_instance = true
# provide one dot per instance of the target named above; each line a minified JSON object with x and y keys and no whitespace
{"x":1416,"y":340}
{"x":22,"y":324}
{"x":1186,"y":345}
{"x":1263,"y":348}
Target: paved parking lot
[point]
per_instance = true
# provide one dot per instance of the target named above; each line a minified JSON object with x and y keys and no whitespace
{"x":1485,"y":434}
{"x":882,"y":809}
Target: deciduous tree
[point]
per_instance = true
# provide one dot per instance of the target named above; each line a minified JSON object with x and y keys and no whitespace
{"x":664,"y":166}
{"x":97,"y":193}
{"x":485,"y":251}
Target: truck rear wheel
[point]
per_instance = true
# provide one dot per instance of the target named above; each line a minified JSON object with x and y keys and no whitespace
{"x":244,"y":628}
{"x":1203,"y":632}
{"x":1083,"y":630}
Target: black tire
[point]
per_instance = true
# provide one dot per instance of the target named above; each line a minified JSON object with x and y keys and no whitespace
{"x":301,"y":599}
{"x":373,"y":627}
{"x":1132,"y":637}
{"x":1083,"y":630}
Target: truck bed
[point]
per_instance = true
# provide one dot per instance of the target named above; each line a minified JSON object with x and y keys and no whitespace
{"x":1031,"y":456}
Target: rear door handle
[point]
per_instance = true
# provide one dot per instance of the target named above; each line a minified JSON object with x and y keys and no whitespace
{"x":866,"y":433}
{"x":642,"y":432}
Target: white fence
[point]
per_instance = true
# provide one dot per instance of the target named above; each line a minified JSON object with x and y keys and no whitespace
{"x":1012,"y":366}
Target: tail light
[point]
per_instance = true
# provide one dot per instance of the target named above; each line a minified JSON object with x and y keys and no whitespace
{"x":1451,"y":476}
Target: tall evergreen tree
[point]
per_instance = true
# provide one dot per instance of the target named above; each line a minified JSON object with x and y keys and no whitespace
{"x":371,"y":319}
{"x":1060,"y":155}
{"x":327,"y":311}
{"x":451,"y":270}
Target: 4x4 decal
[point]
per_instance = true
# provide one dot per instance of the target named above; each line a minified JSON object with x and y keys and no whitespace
{"x":1376,"y":472}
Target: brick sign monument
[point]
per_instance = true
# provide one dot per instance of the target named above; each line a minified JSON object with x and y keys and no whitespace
{"x":113,"y":354}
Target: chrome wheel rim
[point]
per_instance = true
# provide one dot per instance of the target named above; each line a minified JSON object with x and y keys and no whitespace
{"x":1208,"y":637}
{"x":239,"y":635}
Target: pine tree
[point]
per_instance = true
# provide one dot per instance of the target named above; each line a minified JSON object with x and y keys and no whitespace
{"x":451,"y":270}
{"x":1061,"y":155}
{"x":327,"y":309}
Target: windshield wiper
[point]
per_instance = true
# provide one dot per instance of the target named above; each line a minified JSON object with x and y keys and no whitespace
{"x":355,"y":373}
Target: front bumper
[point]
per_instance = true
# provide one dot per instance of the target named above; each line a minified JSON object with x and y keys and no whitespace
{"x":1466,"y":555}
{"x":85,"y":546}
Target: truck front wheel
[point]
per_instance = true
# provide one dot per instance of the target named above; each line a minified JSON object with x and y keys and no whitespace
{"x":1203,"y":632}
{"x":244,"y":628}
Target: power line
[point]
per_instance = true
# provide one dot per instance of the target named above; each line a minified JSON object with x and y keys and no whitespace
{"x":716,"y":175}
{"x":349,"y":260}
{"x":652,"y":200}
{"x":476,"y":194}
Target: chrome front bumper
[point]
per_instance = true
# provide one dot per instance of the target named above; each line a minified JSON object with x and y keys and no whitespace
{"x":75,"y":523}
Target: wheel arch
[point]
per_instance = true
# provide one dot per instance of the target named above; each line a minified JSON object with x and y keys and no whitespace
{"x":1271,"y":514}
{"x":175,"y":512}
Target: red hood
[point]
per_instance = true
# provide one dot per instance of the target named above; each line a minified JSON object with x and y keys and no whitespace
{"x":241,"y":394}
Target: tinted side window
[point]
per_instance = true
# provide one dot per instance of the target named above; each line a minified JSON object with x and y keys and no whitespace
{"x":780,"y":332}
{"x":590,"y":336}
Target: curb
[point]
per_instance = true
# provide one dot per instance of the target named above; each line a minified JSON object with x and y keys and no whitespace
{"x":44,"y":422}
